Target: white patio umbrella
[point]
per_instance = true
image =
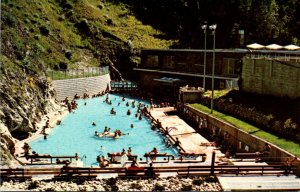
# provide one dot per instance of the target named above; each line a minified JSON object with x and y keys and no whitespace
{"x":292,"y":47}
{"x":274,"y":46}
{"x":255,"y":46}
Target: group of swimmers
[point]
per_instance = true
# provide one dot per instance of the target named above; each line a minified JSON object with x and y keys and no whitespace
{"x":106,"y":133}
{"x":70,"y":105}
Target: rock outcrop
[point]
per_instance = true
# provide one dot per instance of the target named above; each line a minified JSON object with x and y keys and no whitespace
{"x":24,"y":99}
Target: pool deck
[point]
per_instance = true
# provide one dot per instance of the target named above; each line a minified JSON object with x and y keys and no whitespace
{"x":191,"y":141}
{"x":53,"y":118}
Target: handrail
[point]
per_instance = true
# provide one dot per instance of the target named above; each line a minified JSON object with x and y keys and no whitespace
{"x":50,"y":157}
{"x":77,"y":73}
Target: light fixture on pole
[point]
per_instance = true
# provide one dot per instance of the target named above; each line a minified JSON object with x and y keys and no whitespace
{"x":213,"y":28}
{"x":204,"y":27}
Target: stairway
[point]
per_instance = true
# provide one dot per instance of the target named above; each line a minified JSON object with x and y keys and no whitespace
{"x":91,"y":85}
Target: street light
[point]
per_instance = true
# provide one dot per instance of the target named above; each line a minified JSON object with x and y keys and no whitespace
{"x":213,"y":28}
{"x":204,"y":27}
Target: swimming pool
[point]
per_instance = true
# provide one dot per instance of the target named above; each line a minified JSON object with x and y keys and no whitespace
{"x":76,"y":134}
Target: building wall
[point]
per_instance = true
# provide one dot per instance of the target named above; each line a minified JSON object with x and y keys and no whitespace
{"x":69,"y":87}
{"x":226,"y":63}
{"x":266,"y":76}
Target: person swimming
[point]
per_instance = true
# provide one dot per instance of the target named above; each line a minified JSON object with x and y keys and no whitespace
{"x":112,"y":111}
{"x":94,"y":124}
{"x":131,"y":126}
{"x":128,"y":112}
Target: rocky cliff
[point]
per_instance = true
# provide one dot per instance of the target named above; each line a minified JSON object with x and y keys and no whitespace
{"x":25,"y":97}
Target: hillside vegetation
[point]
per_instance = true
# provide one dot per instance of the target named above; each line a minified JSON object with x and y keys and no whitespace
{"x":60,"y":34}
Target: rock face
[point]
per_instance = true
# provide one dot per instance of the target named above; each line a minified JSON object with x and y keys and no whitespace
{"x":24,"y":99}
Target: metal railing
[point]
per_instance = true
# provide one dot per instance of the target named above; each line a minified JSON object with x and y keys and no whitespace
{"x":205,"y":170}
{"x":123,"y":85}
{"x":77,"y":73}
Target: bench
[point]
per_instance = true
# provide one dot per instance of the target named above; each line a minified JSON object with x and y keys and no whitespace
{"x":75,"y":172}
{"x":135,"y":173}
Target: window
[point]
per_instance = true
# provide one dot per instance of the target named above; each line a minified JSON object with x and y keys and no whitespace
{"x":151,"y":60}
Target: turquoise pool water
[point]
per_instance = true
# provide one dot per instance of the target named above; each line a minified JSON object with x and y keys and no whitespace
{"x":76,"y":134}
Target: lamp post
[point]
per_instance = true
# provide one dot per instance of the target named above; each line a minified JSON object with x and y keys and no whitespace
{"x":204,"y":27}
{"x":213,"y":28}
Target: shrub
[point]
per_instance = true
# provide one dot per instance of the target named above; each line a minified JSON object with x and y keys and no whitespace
{"x":33,"y":185}
{"x":197,"y":182}
{"x":79,"y":180}
{"x":111,"y":181}
{"x":68,"y":54}
{"x":159,"y":187}
{"x":37,"y":36}
{"x":136,"y":186}
{"x":63,"y":65}
{"x":100,"y":6}
{"x":211,"y":179}
{"x":44,"y":30}
{"x":66,"y":4}
{"x":109,"y":21}
{"x":187,"y":188}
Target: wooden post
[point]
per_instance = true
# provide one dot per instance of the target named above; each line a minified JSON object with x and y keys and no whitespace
{"x":212,"y":170}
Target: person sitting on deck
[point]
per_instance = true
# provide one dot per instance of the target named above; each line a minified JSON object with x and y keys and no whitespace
{"x":134,"y":163}
{"x":177,"y":142}
{"x":66,"y":101}
{"x":76,"y":96}
{"x":35,"y":155}
{"x":26,"y":149}
{"x":123,"y":152}
{"x":102,"y":161}
{"x":129,"y":151}
{"x":152,"y":154}
{"x":66,"y":162}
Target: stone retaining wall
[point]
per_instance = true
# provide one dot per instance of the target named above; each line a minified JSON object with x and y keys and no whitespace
{"x":237,"y":138}
{"x":91,"y":85}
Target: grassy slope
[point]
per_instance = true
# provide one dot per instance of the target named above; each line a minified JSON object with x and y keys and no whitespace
{"x":28,"y":17}
{"x":124,"y":24}
{"x":290,"y":146}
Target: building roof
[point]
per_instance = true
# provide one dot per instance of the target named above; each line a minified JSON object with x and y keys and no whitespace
{"x":241,"y":51}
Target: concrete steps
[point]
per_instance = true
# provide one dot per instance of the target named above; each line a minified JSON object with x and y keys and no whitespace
{"x":91,"y":85}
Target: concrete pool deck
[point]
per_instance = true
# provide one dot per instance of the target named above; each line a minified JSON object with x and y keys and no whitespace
{"x":53,"y":118}
{"x":191,"y":141}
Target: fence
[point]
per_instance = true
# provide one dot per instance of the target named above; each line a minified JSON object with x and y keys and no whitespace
{"x":77,"y":73}
{"x":123,"y":85}
{"x":183,"y":171}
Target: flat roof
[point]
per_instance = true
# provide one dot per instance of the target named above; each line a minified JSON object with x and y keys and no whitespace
{"x":241,"y":51}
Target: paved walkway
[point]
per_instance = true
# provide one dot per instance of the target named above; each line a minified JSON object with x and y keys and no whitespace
{"x":52,"y":117}
{"x":282,"y":183}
